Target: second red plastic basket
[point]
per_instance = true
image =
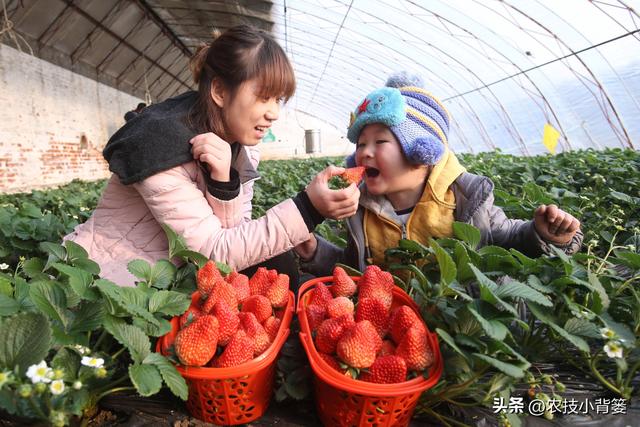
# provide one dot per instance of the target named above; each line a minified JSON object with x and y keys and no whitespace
{"x":343,"y":401}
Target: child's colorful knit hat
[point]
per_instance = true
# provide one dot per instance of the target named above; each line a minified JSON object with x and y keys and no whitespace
{"x":417,"y":119}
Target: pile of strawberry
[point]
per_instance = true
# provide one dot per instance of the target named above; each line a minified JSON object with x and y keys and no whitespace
{"x":234,"y":320}
{"x":367,"y":340}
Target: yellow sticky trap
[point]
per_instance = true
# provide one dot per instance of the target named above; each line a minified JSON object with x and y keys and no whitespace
{"x":550,"y":138}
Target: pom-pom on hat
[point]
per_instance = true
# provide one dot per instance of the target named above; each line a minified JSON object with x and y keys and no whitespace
{"x":417,"y":119}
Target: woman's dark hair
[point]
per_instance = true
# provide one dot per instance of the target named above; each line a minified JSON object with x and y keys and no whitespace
{"x":239,"y":54}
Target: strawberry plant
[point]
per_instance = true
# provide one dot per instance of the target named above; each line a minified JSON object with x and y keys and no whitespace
{"x":600,"y":188}
{"x":69,"y":338}
{"x":43,"y":215}
{"x":592,"y":322}
{"x":281,"y":179}
{"x":498,"y":311}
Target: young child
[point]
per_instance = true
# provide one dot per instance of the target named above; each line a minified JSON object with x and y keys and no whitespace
{"x":415,"y":188}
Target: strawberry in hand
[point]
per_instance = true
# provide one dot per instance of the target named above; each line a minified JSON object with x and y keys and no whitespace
{"x":353,"y":175}
{"x":347,"y":177}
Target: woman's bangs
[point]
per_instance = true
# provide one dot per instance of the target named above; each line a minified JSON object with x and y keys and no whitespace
{"x":275,"y":74}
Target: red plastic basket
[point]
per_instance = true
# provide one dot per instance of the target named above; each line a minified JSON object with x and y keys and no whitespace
{"x":236,"y":395}
{"x":343,"y":401}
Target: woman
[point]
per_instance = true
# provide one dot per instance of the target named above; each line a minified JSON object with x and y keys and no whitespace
{"x":190,"y":163}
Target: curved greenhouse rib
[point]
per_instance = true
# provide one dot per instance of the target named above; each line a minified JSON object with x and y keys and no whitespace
{"x":533,"y":83}
{"x":602,"y":56}
{"x":486,"y":139}
{"x":523,"y":147}
{"x":483,"y":132}
{"x":593,"y":76}
{"x":510,"y":126}
{"x":333,"y":45}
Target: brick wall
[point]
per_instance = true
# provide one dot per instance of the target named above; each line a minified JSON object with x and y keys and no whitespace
{"x":53,"y":123}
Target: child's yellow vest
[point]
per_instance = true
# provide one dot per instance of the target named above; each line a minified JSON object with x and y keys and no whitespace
{"x":432,"y":216}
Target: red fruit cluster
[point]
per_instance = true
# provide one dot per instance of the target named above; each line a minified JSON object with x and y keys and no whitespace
{"x":234,"y":317}
{"x":382,"y":344}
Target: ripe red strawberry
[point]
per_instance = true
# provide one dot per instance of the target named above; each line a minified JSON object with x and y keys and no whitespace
{"x":256,"y":332}
{"x":207,"y":276}
{"x":228,"y":321}
{"x":402,"y":319}
{"x":320,"y":295}
{"x":373,"y":310}
{"x":260,"y":281}
{"x":376,"y":283}
{"x":358,"y":346}
{"x":272,"y":325}
{"x":386,"y":370}
{"x":192,"y":313}
{"x":259,"y":305}
{"x":278,"y":292}
{"x":415,"y":350}
{"x":353,"y":175}
{"x":272,"y":275}
{"x":196,"y":343}
{"x":343,"y":285}
{"x":221,"y":291}
{"x":239,"y":350}
{"x":330,"y":332}
{"x":339,"y":306}
{"x":315,"y":316}
{"x":388,"y":349}
{"x":240,"y":284}
{"x":229,"y":277}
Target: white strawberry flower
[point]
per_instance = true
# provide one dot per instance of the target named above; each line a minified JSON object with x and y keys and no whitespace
{"x":57,"y":387}
{"x":613,"y":350}
{"x":92,"y":362}
{"x":607,"y":333}
{"x":40,"y":373}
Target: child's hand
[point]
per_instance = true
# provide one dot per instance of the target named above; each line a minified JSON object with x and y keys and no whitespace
{"x":305,"y":250}
{"x":555,"y":225}
{"x":335,"y":204}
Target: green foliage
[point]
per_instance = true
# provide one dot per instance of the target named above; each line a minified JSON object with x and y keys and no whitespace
{"x":473,"y":298}
{"x":574,"y":181}
{"x":282,"y":179}
{"x":24,"y":341}
{"x":43,"y":216}
{"x":498,"y":312}
{"x":600,"y":188}
{"x":88,"y":336}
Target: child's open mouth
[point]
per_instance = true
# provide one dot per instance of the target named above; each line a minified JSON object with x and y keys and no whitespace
{"x":372,"y":172}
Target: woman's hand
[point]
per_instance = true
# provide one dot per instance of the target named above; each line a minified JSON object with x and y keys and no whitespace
{"x":306,"y":250}
{"x":215,"y":152}
{"x":555,"y":225}
{"x":335,"y":204}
